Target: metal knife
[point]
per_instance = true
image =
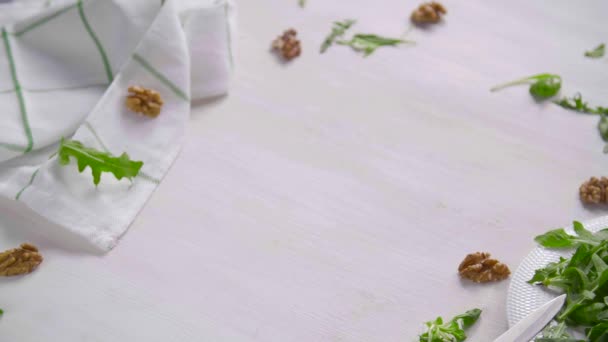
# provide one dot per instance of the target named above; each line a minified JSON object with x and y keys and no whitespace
{"x":531,"y":325}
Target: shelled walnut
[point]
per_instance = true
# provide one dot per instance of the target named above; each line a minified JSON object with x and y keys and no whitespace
{"x":287,"y":45}
{"x":594,"y":190}
{"x":145,"y":101}
{"x":428,"y":13}
{"x":480,"y":268}
{"x":20,"y":260}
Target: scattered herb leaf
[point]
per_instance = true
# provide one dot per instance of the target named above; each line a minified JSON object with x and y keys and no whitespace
{"x":576,"y":103}
{"x":598,"y":52}
{"x":337,"y":30}
{"x":543,"y":85}
{"x":302,"y":3}
{"x":602,"y":126}
{"x":98,"y":161}
{"x":368,"y":43}
{"x":451,"y":331}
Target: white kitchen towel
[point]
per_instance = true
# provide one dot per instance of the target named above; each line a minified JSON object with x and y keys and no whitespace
{"x":64,"y":72}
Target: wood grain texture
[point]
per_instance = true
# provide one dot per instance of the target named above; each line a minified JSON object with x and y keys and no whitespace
{"x":332,"y":198}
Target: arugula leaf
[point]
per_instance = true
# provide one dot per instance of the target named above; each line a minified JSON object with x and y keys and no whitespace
{"x":602,"y":126}
{"x":98,"y":161}
{"x":598,"y":333}
{"x":597,"y":52}
{"x":543,"y":85}
{"x":576,"y":103}
{"x":338,"y":30}
{"x":368,"y":43}
{"x":556,"y":333}
{"x":451,"y":331}
{"x":558,"y":238}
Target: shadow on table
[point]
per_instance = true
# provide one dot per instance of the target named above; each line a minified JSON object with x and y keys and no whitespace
{"x":20,"y":224}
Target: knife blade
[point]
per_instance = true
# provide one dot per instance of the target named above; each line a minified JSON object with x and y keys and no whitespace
{"x":532,"y":324}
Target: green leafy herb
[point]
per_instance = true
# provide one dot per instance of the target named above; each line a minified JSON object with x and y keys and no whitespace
{"x":98,"y":161}
{"x":583,"y":277}
{"x":576,"y":103}
{"x":302,"y":3}
{"x":598,"y":52}
{"x":337,"y":30}
{"x":556,"y":333}
{"x":451,"y":331}
{"x":1,"y":312}
{"x":368,"y":43}
{"x":558,"y":238}
{"x":543,"y":85}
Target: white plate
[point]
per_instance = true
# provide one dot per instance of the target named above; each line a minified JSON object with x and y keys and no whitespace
{"x":524,"y":298}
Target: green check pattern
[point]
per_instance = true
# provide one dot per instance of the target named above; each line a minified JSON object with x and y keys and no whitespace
{"x":105,"y":62}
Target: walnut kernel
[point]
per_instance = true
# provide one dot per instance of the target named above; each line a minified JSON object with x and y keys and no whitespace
{"x":287,"y":45}
{"x":145,"y":101}
{"x":429,"y":12}
{"x":480,"y":268}
{"x":20,"y":260}
{"x":594,"y":190}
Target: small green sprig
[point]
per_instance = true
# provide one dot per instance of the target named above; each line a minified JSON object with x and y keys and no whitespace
{"x":543,"y":85}
{"x":576,"y":103}
{"x":368,"y":43}
{"x":597,"y":52}
{"x":452,"y":330}
{"x":338,"y":30}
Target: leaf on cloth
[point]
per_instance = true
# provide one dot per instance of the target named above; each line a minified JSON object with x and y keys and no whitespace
{"x":99,"y":161}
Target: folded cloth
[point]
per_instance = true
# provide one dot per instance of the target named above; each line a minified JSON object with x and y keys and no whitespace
{"x":65,"y":72}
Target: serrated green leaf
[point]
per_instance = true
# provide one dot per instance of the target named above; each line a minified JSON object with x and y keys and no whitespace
{"x":98,"y":161}
{"x":338,"y":30}
{"x":368,"y":43}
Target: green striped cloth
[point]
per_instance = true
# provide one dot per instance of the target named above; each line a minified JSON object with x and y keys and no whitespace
{"x":65,"y":67}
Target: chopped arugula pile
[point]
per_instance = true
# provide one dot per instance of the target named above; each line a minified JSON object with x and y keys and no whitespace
{"x":543,"y":85}
{"x":121,"y":167}
{"x":452,"y":330}
{"x":583,"y":277}
{"x":338,"y":30}
{"x":598,"y":52}
{"x":368,"y":43}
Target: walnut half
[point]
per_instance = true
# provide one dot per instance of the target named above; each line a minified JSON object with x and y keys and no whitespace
{"x":480,"y":268}
{"x":287,"y":45}
{"x":145,"y":101}
{"x":429,"y":12}
{"x":20,"y":260}
{"x":594,"y":190}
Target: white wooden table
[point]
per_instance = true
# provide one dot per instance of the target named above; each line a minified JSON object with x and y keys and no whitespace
{"x":332,"y":198}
